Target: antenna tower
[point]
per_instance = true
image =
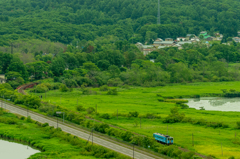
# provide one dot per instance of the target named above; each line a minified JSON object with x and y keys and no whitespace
{"x":158,"y":18}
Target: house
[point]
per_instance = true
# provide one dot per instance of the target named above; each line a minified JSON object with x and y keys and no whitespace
{"x":147,"y":49}
{"x":139,"y":46}
{"x":188,"y":37}
{"x":195,"y":39}
{"x":209,"y":38}
{"x":2,"y":79}
{"x":161,"y":47}
{"x":159,"y":40}
{"x":181,"y":39}
{"x":168,"y":39}
{"x":217,"y":34}
{"x":185,"y":42}
{"x":236,"y":39}
{"x":166,"y":43}
{"x":204,"y":34}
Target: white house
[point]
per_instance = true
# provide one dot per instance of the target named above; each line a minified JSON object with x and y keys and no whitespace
{"x":2,"y":79}
{"x":181,"y":39}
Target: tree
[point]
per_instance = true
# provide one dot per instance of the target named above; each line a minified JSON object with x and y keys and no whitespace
{"x":38,"y":69}
{"x":58,"y":66}
{"x":103,"y":64}
{"x":114,"y":71}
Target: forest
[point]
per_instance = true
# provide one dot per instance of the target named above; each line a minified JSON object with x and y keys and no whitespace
{"x":78,"y":21}
{"x":122,"y":63}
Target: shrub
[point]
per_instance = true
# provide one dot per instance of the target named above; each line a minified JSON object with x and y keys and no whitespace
{"x":161,"y":99}
{"x":112,"y":92}
{"x":133,"y":114}
{"x":22,"y":118}
{"x":29,"y":119}
{"x":45,"y":125}
{"x":104,"y":88}
{"x":174,"y":117}
{"x":126,"y":136}
{"x":80,"y":108}
{"x":63,"y":88}
{"x":114,"y":82}
{"x":183,"y":106}
{"x":238,"y":124}
{"x":150,"y":115}
{"x":105,"y":116}
{"x":41,"y":88}
{"x":90,"y":110}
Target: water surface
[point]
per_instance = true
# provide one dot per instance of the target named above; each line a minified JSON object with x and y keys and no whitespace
{"x":215,"y":103}
{"x":11,"y":150}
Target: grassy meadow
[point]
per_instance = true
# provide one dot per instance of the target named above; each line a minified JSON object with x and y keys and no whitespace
{"x":207,"y":140}
{"x":52,"y":143}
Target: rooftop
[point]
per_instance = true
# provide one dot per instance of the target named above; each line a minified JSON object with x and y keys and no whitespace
{"x":147,"y":46}
{"x":185,"y":42}
{"x":163,"y":42}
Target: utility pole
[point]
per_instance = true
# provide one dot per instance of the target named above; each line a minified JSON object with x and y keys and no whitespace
{"x":27,"y":110}
{"x":45,"y":94}
{"x":133,"y":151}
{"x":92,"y":136}
{"x":192,"y":140}
{"x":117,"y":114}
{"x":167,"y":129}
{"x":57,"y":122}
{"x":140,"y":121}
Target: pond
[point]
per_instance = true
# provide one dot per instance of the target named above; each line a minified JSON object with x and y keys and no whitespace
{"x":11,"y":150}
{"x":215,"y":103}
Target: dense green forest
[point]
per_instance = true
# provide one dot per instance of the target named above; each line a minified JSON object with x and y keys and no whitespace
{"x":76,"y":21}
{"x":122,"y":63}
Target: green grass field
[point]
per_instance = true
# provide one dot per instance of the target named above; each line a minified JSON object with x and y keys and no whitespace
{"x":53,"y":143}
{"x":55,"y":147}
{"x":145,"y":100}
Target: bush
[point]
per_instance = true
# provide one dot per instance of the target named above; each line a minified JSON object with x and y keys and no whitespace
{"x":114,"y":82}
{"x":174,"y":117}
{"x":90,"y":110}
{"x":104,"y":88}
{"x":42,"y":88}
{"x":183,"y":106}
{"x":22,"y":118}
{"x":161,"y":99}
{"x":63,"y":88}
{"x":238,"y":124}
{"x":29,"y":119}
{"x":45,"y":125}
{"x":105,"y":116}
{"x":112,"y":92}
{"x":133,"y":114}
{"x":80,"y":108}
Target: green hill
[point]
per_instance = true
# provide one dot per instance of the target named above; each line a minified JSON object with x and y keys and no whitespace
{"x":68,"y":21}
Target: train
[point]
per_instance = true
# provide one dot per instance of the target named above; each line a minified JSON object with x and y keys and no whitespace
{"x":164,"y":139}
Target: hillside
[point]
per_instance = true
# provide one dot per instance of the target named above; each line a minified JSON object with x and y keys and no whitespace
{"x":70,"y":21}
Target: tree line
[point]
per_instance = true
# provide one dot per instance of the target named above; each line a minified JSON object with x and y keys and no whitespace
{"x":121,"y":63}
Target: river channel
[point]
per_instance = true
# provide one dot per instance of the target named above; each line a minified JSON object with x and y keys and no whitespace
{"x":11,"y":150}
{"x":215,"y":103}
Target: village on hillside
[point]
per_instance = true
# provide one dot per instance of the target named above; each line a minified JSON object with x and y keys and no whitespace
{"x":180,"y":41}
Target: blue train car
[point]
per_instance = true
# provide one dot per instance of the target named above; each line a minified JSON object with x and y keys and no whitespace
{"x":165,"y":139}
